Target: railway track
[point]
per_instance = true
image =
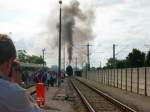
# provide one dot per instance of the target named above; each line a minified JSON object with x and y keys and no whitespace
{"x":97,"y":101}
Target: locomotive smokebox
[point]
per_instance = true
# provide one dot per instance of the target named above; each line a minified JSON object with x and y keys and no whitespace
{"x":69,"y":70}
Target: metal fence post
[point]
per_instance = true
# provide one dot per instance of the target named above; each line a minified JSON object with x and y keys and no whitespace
{"x":111,"y":77}
{"x":126,"y":79}
{"x":102,"y":76}
{"x":108,"y":76}
{"x":117,"y":78}
{"x":114,"y":77}
{"x":121,"y":78}
{"x":98,"y":75}
{"x":131,"y":77}
{"x":137,"y":80}
{"x":145,"y":81}
{"x":105,"y":77}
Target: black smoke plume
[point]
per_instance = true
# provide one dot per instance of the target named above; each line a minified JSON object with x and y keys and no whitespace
{"x":76,"y":26}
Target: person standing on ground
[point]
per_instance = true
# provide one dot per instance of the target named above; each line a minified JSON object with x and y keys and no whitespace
{"x":52,"y":79}
{"x":40,"y":80}
{"x":13,"y":98}
{"x":55,"y":78}
{"x":48,"y":78}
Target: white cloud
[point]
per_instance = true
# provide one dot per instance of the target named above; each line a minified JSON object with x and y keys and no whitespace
{"x":123,"y":22}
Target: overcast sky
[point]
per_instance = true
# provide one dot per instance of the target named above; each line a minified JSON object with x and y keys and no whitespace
{"x":125,"y":23}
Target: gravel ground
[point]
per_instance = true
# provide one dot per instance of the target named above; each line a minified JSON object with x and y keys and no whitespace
{"x":56,"y":100}
{"x":138,"y":102}
{"x":30,"y":90}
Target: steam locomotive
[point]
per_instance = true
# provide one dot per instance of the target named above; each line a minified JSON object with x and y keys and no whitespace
{"x":70,"y":71}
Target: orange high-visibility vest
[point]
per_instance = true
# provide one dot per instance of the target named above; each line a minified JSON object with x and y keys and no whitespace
{"x":40,"y":92}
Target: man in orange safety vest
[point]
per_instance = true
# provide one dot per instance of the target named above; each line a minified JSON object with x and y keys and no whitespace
{"x":40,"y":80}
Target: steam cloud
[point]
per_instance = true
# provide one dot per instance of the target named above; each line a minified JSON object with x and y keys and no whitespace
{"x":76,"y":26}
{"x":76,"y":30}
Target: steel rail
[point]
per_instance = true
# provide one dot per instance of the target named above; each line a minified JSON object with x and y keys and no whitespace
{"x":109,"y":98}
{"x":87,"y":104}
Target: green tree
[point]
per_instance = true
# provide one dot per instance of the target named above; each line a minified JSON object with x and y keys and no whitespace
{"x":136,"y":58}
{"x":121,"y":63}
{"x":109,"y":63}
{"x":24,"y":57}
{"x":36,"y":59}
{"x":147,"y":60}
{"x":118,"y":63}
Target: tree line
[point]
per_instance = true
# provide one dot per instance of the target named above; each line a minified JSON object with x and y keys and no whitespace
{"x":136,"y":58}
{"x":23,"y":56}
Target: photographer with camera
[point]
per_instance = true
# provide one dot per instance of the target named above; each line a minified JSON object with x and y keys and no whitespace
{"x":13,"y":98}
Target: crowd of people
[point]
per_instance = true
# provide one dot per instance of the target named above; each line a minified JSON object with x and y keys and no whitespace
{"x":48,"y":77}
{"x":51,"y":78}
